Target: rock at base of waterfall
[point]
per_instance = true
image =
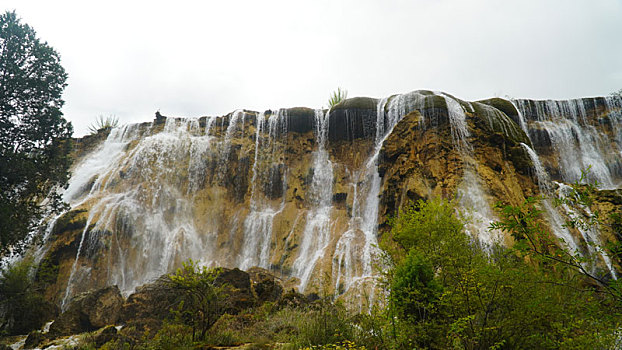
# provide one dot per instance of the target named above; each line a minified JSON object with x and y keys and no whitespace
{"x":89,"y":311}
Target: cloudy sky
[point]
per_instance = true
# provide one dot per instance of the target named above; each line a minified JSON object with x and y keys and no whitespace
{"x":193,"y":58}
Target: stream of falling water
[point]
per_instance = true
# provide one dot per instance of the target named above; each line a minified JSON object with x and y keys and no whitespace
{"x":145,"y":203}
{"x":576,"y":141}
{"x":93,"y":172}
{"x":590,"y":235}
{"x":259,"y":222}
{"x":578,"y":145}
{"x":141,"y":190}
{"x":470,"y":193}
{"x":316,"y":234}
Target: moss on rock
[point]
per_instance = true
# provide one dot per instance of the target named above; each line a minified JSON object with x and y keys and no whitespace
{"x":357,"y":102}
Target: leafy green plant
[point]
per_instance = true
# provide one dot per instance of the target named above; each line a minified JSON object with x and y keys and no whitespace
{"x":446,"y":292}
{"x":536,"y":243}
{"x":22,"y":305}
{"x":337,"y":96}
{"x":103,"y":123}
{"x":201,"y":299}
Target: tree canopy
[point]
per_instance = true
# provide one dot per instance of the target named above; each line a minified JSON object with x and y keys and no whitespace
{"x":34,"y":136}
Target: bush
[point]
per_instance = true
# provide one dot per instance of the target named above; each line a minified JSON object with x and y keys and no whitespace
{"x":446,"y":292}
{"x":22,"y":305}
{"x":201,"y":300}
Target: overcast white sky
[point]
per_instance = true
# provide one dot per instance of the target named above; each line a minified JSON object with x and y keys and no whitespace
{"x":194,"y":58}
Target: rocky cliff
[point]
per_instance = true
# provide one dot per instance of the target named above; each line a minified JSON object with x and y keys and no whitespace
{"x":307,"y":193}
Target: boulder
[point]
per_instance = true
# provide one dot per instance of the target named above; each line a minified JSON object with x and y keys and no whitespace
{"x":104,"y":335}
{"x":89,"y":311}
{"x":33,"y":339}
{"x":150,"y":301}
{"x":351,"y":119}
{"x":240,"y":295}
{"x":300,"y":119}
{"x":266,"y":286}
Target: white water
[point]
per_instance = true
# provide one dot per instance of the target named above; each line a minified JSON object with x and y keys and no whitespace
{"x":317,"y":231}
{"x":150,"y":202}
{"x":474,"y":205}
{"x":554,"y":218}
{"x":577,"y":142}
{"x":259,"y":222}
{"x":590,"y":235}
{"x":148,"y":191}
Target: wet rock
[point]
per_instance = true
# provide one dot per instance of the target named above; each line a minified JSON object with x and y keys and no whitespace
{"x":340,"y":197}
{"x":504,"y":106}
{"x":104,"y":335}
{"x":159,"y":118}
{"x":150,"y":301}
{"x":292,"y":299}
{"x":273,"y":188}
{"x":266,"y":286}
{"x":300,"y":119}
{"x":89,"y":311}
{"x":240,"y":296}
{"x":34,"y":339}
{"x":354,"y":118}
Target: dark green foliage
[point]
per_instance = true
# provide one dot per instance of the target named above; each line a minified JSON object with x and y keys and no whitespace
{"x":22,"y":306}
{"x":34,"y":136}
{"x":201,"y":299}
{"x":414,"y":288}
{"x":326,"y":323}
{"x":448,"y":293}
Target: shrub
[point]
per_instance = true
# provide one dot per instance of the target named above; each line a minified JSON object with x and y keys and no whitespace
{"x":201,"y":300}
{"x":22,"y":305}
{"x":337,"y":96}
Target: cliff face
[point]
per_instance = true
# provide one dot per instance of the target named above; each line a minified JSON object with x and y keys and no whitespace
{"x":306,"y":193}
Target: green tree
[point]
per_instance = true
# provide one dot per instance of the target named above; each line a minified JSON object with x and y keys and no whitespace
{"x":34,"y":136}
{"x":22,"y":305}
{"x":447,"y":292}
{"x":202,"y":299}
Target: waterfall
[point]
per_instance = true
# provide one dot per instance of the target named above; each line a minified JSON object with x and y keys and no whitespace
{"x":316,"y":234}
{"x":590,"y":235}
{"x":574,"y":141}
{"x":470,"y":193}
{"x":576,"y":138}
{"x":259,"y":222}
{"x":273,"y":189}
{"x":139,"y":190}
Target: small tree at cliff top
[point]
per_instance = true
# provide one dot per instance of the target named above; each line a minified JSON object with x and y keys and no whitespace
{"x":34,"y":136}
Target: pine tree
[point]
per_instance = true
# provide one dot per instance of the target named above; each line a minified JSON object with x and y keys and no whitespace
{"x":34,"y":136}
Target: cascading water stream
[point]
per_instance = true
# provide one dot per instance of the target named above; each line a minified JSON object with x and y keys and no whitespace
{"x":222,"y":193}
{"x":554,"y":218}
{"x":470,"y":193}
{"x":558,"y":224}
{"x":145,"y":197}
{"x":576,"y":140}
{"x":316,"y":234}
{"x":258,"y":226}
